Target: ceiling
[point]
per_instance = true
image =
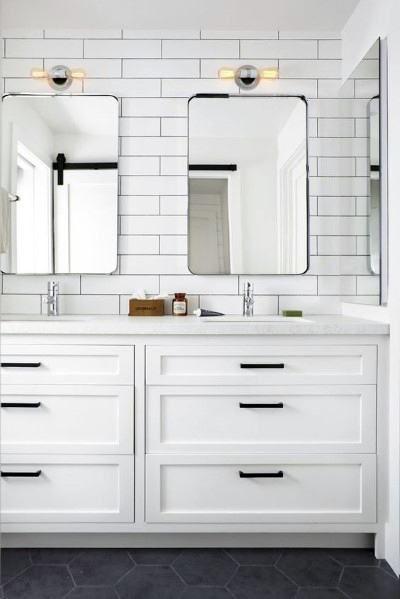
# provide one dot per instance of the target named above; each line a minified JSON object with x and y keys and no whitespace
{"x":258,"y":15}
{"x":73,"y":115}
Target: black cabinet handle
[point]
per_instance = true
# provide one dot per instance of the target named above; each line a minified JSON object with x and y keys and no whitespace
{"x":20,"y":364}
{"x":277,"y":365}
{"x":35,"y":474}
{"x":9,"y":404}
{"x":260,"y":405}
{"x":278,"y":474}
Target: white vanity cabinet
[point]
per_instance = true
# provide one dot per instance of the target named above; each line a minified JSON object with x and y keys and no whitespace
{"x":261,"y":434}
{"x":279,"y":488}
{"x":67,"y":433}
{"x":261,"y":419}
{"x":175,"y":426}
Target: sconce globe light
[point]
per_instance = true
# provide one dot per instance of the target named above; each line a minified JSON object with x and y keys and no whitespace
{"x":247,"y":76}
{"x":59,"y":77}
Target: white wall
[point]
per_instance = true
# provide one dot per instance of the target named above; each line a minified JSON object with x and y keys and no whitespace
{"x":178,"y":14}
{"x":153,"y":79}
{"x":371,"y":19}
{"x":87,"y":148}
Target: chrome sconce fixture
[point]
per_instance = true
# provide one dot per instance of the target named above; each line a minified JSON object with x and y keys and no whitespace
{"x":59,"y":77}
{"x":247,"y":76}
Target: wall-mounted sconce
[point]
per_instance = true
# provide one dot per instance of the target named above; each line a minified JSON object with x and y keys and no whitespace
{"x":59,"y":77}
{"x":248,"y":76}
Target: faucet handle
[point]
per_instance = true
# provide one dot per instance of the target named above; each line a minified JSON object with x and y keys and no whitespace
{"x":52,"y":286}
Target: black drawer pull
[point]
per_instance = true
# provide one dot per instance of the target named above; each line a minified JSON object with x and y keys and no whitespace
{"x":9,"y":404}
{"x":20,"y":364}
{"x":278,"y":474}
{"x":35,"y":474}
{"x":277,"y":365}
{"x":260,"y":405}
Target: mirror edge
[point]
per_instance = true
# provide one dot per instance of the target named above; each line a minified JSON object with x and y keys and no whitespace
{"x":82,"y":95}
{"x":301,"y":97}
{"x":383,"y":152}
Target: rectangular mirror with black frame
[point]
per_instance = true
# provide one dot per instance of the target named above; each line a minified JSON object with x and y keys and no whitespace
{"x":59,"y":184}
{"x":248,"y":185}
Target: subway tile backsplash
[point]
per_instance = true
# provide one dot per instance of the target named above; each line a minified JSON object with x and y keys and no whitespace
{"x":154,"y":73}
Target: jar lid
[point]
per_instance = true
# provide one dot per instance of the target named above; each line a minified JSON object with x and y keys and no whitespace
{"x":180,"y":295}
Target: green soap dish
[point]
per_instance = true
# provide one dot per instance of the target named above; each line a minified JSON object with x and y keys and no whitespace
{"x":292,"y":313}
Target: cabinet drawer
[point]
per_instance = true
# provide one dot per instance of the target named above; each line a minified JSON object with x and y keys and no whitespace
{"x":73,"y":489}
{"x":308,"y":419}
{"x":261,"y":365}
{"x":69,"y":364}
{"x":195,"y":489}
{"x":67,"y":419}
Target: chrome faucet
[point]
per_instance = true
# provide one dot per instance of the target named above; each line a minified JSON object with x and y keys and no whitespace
{"x":52,"y":298}
{"x":248,"y":299}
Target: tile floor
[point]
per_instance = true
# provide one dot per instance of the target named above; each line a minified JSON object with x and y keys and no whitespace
{"x":196,"y":574}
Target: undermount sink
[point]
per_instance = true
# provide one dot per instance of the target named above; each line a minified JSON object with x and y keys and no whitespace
{"x":229,"y":318}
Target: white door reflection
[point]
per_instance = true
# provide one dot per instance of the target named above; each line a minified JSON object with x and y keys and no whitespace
{"x":31,"y":214}
{"x":85,"y":197}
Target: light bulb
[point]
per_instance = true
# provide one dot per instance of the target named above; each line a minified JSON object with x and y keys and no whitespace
{"x":37,"y":73}
{"x":226,"y":73}
{"x":270,"y":73}
{"x":78,"y":73}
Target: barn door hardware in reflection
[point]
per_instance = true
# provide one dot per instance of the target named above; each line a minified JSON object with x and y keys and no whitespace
{"x":62,"y":165}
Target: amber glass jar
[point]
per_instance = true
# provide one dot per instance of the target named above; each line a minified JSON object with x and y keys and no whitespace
{"x":179,"y":304}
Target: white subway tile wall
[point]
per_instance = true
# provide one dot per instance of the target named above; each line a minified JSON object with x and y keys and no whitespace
{"x":154,"y":73}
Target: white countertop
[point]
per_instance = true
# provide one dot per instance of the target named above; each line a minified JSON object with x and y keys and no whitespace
{"x":190,"y":325}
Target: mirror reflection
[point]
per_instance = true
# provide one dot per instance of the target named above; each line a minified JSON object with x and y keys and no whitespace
{"x":59,"y":184}
{"x":374,"y":186}
{"x":248,"y":185}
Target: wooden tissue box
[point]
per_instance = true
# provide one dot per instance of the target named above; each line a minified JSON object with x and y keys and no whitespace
{"x":146,"y":307}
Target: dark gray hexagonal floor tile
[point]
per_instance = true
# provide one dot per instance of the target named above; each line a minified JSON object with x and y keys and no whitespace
{"x":212,"y":567}
{"x":255,"y":557}
{"x":53,"y":556}
{"x":369,"y":583}
{"x":385,"y":566}
{"x":310,"y":567}
{"x":154,"y":557}
{"x":205,"y":593}
{"x":93,"y":593}
{"x":150,"y":582}
{"x":100,"y":566}
{"x":13,"y":562}
{"x":40,"y":582}
{"x":354,"y":557}
{"x":261,"y":582}
{"x":319,"y":593}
